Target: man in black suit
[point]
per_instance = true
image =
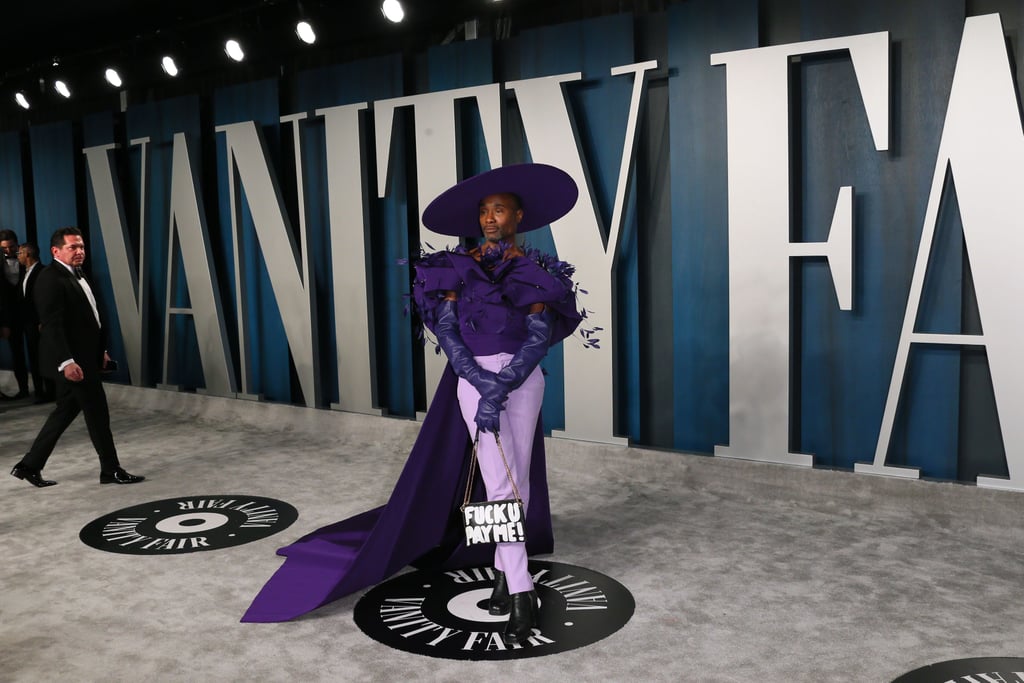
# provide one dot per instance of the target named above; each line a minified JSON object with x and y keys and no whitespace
{"x":72,"y":351}
{"x":28,"y":257}
{"x":11,"y":324}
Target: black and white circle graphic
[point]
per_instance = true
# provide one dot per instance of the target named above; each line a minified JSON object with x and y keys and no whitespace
{"x":1008,"y":669}
{"x":444,"y":613}
{"x":188,"y":525}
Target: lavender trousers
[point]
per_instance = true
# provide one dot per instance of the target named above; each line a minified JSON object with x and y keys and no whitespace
{"x":518,"y":422}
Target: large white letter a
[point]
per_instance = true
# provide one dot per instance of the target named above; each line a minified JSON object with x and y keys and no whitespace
{"x":983,"y":145}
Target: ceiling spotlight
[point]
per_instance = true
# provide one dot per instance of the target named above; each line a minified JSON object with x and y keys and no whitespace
{"x":169,"y":67}
{"x":305,"y":32}
{"x":62,"y":88}
{"x":21,"y":100}
{"x":234,"y":50}
{"x":113,"y":78}
{"x":392,"y":9}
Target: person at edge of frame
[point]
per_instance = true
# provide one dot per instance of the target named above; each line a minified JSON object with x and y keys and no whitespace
{"x":28,"y":256}
{"x":11,"y":308}
{"x":72,"y":350}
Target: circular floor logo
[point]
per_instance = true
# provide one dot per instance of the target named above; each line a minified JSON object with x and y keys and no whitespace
{"x":188,"y":525}
{"x":974,"y":670}
{"x":444,"y":613}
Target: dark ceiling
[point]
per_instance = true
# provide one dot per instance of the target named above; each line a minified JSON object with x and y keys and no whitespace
{"x":75,"y":40}
{"x":33,"y":33}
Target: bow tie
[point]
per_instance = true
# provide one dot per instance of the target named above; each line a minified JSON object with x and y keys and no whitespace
{"x":79,"y":274}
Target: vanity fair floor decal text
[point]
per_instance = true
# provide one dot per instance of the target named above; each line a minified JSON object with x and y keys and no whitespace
{"x":188,"y":524}
{"x":444,"y":613}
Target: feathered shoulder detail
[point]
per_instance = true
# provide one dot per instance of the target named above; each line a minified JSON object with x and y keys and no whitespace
{"x":514,"y":277}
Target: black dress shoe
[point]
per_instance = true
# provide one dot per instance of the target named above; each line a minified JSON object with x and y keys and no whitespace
{"x":34,"y":478}
{"x":498,"y":603}
{"x":20,"y":395}
{"x":119,"y":476}
{"x":522,"y":617}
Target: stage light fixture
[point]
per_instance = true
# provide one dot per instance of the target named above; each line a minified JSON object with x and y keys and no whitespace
{"x":234,"y":50}
{"x":22,"y":101}
{"x":168,"y":65}
{"x":304,"y":30}
{"x":62,"y":88}
{"x":392,"y":10}
{"x":113,"y":78}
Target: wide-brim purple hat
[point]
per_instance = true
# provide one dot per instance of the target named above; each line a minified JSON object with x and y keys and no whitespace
{"x":547,"y":193}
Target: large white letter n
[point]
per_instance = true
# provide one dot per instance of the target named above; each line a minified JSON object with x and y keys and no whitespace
{"x":760,"y":250}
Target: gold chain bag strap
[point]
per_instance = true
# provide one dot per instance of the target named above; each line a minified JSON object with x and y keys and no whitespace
{"x":494,"y":521}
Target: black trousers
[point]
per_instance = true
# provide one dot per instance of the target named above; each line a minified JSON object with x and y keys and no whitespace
{"x":17,"y":342}
{"x":43,"y":385}
{"x":86,"y":397}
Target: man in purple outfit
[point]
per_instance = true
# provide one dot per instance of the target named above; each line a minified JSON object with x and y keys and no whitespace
{"x":494,"y":310}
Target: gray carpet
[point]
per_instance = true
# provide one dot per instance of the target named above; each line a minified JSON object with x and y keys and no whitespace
{"x":741,"y":571}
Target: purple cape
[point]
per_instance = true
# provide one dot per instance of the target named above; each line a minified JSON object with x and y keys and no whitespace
{"x":419,"y":525}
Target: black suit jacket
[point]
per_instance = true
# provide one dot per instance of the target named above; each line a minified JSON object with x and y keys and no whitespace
{"x":10,"y":298}
{"x":69,"y":329}
{"x":29,"y":314}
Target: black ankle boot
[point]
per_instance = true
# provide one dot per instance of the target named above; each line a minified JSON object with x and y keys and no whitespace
{"x":522,"y":617}
{"x":498,"y":604}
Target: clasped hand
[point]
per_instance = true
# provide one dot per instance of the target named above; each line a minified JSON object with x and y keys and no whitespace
{"x":493,"y":394}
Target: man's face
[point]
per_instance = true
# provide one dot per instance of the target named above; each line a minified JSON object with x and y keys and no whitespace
{"x":72,"y":252}
{"x":9,"y":248}
{"x":499,"y":217}
{"x":23,"y":258}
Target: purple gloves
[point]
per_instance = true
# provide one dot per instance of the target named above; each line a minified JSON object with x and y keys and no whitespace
{"x":512,"y":376}
{"x":488,"y":414}
{"x":461,"y":358}
{"x":493,"y":388}
{"x":538,"y":334}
